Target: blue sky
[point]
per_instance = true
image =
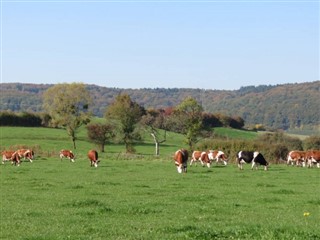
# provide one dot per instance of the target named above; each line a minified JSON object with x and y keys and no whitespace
{"x":165,"y":44}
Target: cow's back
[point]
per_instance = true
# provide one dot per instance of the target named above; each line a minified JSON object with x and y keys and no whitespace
{"x":196,"y":155}
{"x":93,"y":155}
{"x":246,"y":156}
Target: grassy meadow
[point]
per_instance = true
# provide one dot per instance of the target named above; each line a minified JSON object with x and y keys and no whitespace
{"x":143,"y":197}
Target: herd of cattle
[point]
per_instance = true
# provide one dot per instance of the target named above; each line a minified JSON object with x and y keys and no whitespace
{"x":181,"y":156}
{"x":299,"y":158}
{"x":28,"y":154}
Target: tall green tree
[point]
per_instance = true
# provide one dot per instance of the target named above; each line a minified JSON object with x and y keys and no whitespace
{"x":126,"y":114}
{"x":188,"y":116}
{"x":68,"y":106}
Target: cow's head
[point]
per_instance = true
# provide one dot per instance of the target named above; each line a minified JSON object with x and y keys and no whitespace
{"x":96,"y":163}
{"x":29,"y":154}
{"x":179,"y":166}
{"x":266,"y":166}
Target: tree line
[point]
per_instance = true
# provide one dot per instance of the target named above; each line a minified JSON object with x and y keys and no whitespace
{"x":68,"y":106}
{"x":286,"y":106}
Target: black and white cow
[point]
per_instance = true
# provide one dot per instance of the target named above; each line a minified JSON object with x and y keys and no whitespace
{"x":255,"y":158}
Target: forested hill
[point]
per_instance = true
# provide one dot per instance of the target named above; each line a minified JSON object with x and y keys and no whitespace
{"x":279,"y":106}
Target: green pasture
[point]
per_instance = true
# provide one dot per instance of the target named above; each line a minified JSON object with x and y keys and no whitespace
{"x":143,"y":197}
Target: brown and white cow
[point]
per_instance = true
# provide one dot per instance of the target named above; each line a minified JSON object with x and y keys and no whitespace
{"x":12,"y":156}
{"x":202,"y":157}
{"x":93,"y":157}
{"x":218,"y":156}
{"x":6,"y":155}
{"x":181,"y":160}
{"x":67,"y":154}
{"x":26,"y":154}
{"x":297,"y":158}
{"x":313,"y":157}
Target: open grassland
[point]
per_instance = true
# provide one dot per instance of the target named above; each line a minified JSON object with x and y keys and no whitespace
{"x":143,"y":197}
{"x":147,"y":199}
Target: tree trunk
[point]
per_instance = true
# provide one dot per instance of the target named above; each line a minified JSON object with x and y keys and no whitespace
{"x":156,"y":143}
{"x":157,"y":148}
{"x":102,"y":147}
{"x":74,"y":142}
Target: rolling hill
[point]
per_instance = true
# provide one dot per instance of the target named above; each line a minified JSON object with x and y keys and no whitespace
{"x":286,"y":106}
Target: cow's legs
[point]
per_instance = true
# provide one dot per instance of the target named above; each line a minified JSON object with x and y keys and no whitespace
{"x":253,"y":164}
{"x":240,"y":165}
{"x":289,"y":161}
{"x":191,"y":161}
{"x":201,"y":162}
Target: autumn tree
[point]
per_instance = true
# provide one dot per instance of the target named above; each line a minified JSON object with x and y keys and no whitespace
{"x":126,"y":114}
{"x":68,"y":105}
{"x":100,"y":133}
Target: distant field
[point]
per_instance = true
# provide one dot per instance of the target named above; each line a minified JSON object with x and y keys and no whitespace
{"x":235,"y":133}
{"x":48,"y":141}
{"x":143,"y":197}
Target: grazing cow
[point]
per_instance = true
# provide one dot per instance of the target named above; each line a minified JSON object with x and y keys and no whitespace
{"x":312,"y":157}
{"x":7,"y":155}
{"x":67,"y":154}
{"x":218,"y":156}
{"x":251,"y":157}
{"x":26,"y":154}
{"x":202,"y":157}
{"x":181,"y":160}
{"x":12,"y":156}
{"x":296,"y":157}
{"x":93,"y":157}
{"x":16,"y":159}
